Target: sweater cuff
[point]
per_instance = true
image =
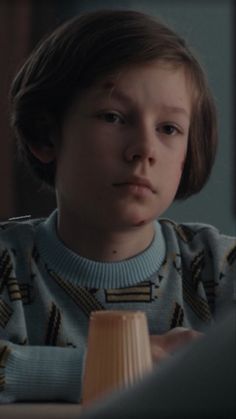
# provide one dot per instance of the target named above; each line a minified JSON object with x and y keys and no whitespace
{"x":43,"y":373}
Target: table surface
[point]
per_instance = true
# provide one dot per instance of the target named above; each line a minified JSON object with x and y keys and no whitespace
{"x":40,"y":411}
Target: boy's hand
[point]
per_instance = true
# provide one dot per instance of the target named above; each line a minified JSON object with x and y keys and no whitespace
{"x":165,"y":345}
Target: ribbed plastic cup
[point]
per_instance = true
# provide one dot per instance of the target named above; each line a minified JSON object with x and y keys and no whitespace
{"x":118,"y":352}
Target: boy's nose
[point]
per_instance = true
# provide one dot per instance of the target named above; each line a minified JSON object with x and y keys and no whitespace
{"x":142,"y":146}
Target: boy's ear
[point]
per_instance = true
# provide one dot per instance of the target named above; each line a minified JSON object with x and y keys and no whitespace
{"x":45,"y":149}
{"x":45,"y":153}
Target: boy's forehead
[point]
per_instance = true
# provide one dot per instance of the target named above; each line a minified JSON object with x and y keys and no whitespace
{"x":117,"y":84}
{"x":111,"y":81}
{"x":107,"y":84}
{"x":106,"y":87}
{"x":115,"y":79}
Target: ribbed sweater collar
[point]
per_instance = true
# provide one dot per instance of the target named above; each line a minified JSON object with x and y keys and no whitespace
{"x":92,"y":274}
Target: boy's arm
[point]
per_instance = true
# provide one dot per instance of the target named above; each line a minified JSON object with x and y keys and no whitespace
{"x":31,"y":372}
{"x":45,"y":373}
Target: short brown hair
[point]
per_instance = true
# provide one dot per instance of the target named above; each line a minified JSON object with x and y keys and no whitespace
{"x":89,"y":47}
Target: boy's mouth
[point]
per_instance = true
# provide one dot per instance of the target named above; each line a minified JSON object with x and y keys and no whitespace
{"x":138,"y":182}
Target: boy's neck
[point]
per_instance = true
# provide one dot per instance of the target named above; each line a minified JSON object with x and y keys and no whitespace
{"x":102,"y":244}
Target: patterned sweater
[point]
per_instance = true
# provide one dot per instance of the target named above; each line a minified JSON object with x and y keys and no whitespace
{"x":186,"y":277}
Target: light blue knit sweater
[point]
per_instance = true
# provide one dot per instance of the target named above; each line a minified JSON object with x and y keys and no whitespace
{"x":186,"y":277}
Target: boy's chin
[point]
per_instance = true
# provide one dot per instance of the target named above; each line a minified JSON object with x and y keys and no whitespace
{"x":138,"y":220}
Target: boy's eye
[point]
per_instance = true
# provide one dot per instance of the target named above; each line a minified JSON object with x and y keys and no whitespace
{"x":111,"y":117}
{"x":168,"y":129}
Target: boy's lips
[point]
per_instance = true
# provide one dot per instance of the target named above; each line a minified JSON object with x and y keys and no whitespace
{"x":137,"y":181}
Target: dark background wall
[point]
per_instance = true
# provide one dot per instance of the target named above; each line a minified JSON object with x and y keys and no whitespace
{"x":208,"y":26}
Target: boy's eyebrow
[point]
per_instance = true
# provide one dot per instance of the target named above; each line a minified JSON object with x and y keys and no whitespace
{"x":123,"y":97}
{"x":176,"y":109}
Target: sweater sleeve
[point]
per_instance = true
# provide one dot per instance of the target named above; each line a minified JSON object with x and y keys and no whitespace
{"x":30,"y":371}
{"x":39,"y":373}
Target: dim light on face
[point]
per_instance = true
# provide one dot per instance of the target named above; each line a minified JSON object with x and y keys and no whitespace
{"x":122,"y":149}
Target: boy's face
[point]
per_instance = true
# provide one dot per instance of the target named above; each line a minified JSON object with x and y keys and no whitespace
{"x":123,"y":148}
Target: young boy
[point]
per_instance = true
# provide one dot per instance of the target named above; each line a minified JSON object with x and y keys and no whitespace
{"x":112,"y":111}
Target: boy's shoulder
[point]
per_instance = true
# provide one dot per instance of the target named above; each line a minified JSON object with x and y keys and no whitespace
{"x":18,"y":230}
{"x":187,"y":233}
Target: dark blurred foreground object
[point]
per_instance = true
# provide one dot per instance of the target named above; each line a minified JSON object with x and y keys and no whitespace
{"x":199,"y":382}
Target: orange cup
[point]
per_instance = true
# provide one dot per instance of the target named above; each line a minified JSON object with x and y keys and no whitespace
{"x":118,"y":352}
